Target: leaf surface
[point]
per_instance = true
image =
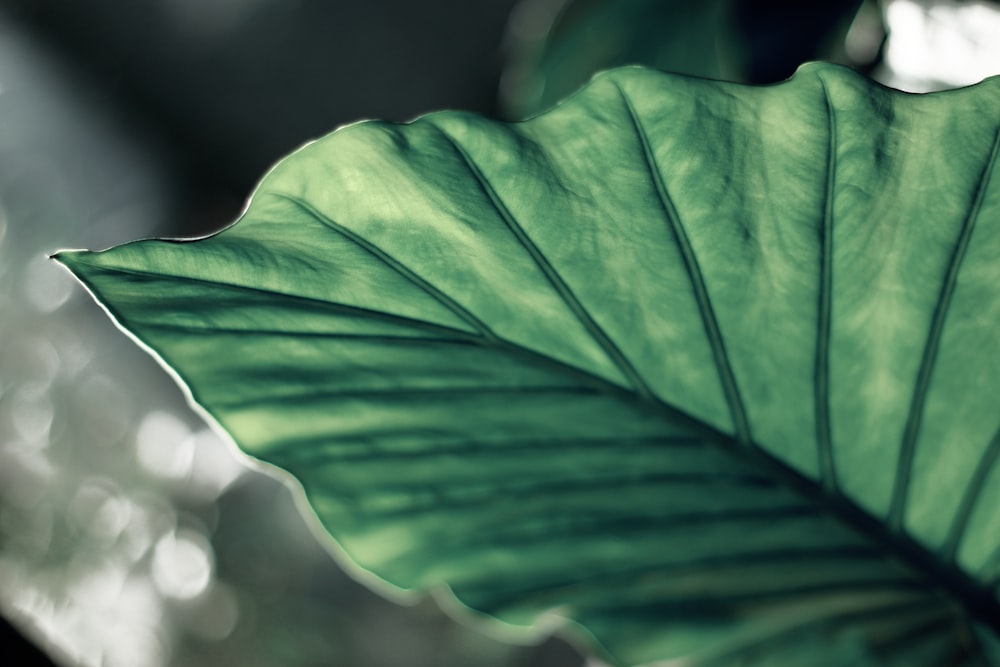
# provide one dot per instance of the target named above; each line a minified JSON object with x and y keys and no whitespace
{"x":711,"y":370}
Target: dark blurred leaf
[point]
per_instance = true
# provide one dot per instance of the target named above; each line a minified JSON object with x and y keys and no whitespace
{"x":555,"y":46}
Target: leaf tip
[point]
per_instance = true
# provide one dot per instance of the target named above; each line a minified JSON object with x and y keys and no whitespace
{"x":67,"y":258}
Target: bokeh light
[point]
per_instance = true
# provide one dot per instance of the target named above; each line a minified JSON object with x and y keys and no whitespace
{"x":941,"y":44}
{"x":182,"y":564}
{"x":164,"y":445}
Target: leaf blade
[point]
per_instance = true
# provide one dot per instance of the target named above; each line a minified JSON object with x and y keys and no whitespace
{"x":371,"y":331}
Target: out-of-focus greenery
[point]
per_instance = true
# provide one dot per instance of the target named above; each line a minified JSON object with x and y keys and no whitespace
{"x":917,"y":45}
{"x":557,"y":45}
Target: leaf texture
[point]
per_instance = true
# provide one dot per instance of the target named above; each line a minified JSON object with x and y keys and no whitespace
{"x":711,"y":370}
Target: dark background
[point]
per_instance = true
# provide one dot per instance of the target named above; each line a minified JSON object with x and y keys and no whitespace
{"x":218,"y":91}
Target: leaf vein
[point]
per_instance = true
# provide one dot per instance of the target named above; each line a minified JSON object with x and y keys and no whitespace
{"x":904,"y":468}
{"x":358,"y":311}
{"x":409,"y":275}
{"x":711,"y":565}
{"x":692,"y":604}
{"x":729,"y":387}
{"x":325,"y":335}
{"x":971,"y":497}
{"x":618,"y":527}
{"x":596,"y":332}
{"x":914,"y":604}
{"x":828,"y":473}
{"x":408,"y":393}
{"x":486,"y":494}
{"x":482,"y":447}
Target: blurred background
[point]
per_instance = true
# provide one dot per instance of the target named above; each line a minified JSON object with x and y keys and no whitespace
{"x":130,"y":535}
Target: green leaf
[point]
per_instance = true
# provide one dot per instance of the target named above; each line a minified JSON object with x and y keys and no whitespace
{"x":711,"y":370}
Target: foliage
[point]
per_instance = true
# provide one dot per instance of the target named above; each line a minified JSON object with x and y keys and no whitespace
{"x":709,"y":369}
{"x":556,"y":46}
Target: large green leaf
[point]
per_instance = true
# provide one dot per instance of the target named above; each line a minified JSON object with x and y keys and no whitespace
{"x":712,"y":370}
